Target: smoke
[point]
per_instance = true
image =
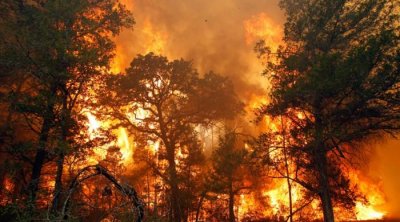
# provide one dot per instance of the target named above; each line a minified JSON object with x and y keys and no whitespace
{"x":220,"y":36}
{"x":214,"y":35}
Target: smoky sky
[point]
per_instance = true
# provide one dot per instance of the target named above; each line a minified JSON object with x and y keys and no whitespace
{"x":211,"y":34}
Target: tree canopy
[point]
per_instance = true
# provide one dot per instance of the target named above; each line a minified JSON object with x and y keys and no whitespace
{"x":337,"y":80}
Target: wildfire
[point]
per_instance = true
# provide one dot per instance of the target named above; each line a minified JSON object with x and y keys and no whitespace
{"x":155,"y":40}
{"x":154,"y":146}
{"x":279,"y":196}
{"x":261,"y":27}
{"x":93,"y":124}
{"x":117,"y":63}
{"x":258,"y":27}
{"x":122,"y":141}
{"x":125,"y":146}
{"x":277,"y":193}
{"x":364,"y":212}
{"x":374,"y":196}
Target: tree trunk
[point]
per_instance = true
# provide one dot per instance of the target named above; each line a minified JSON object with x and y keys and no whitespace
{"x":175,"y":202}
{"x":174,"y":194}
{"x":231,"y":203}
{"x":289,"y":184}
{"x":175,"y":208}
{"x":60,"y":162}
{"x":321,"y":164}
{"x":148,"y":191}
{"x":199,"y":206}
{"x":41,"y":152}
{"x":40,"y":157}
{"x":325,"y":195}
{"x":58,"y":185}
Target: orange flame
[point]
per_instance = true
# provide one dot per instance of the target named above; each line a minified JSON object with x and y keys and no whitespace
{"x":375,"y":198}
{"x":155,"y":40}
{"x":122,"y":142}
{"x":125,"y":146}
{"x":261,"y":27}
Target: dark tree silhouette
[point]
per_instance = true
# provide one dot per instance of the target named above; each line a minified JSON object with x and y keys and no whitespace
{"x":163,"y":101}
{"x":337,"y":80}
{"x":230,"y":168}
{"x":57,"y":47}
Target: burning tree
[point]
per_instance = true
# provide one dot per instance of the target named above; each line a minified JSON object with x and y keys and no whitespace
{"x":50,"y":51}
{"x":337,"y":81}
{"x":162,"y":102}
{"x":229,"y":171}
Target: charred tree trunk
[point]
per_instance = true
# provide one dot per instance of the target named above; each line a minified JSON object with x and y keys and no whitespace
{"x":58,"y":185}
{"x":65,"y":127}
{"x":285,"y":155}
{"x":231,"y":202}
{"x":40,"y":157}
{"x":203,"y":195}
{"x":321,"y":163}
{"x":148,"y":191}
{"x":41,"y":152}
{"x":174,"y":193}
{"x":325,"y":195}
{"x":289,"y":184}
{"x":176,"y":214}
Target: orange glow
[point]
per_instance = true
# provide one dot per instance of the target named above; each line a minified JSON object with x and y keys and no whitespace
{"x":373,"y":208}
{"x":154,"y":146}
{"x":155,"y":41}
{"x":261,"y":27}
{"x":125,"y":147}
{"x":117,"y":64}
{"x":8,"y":184}
{"x":277,"y":193}
{"x":122,"y":142}
{"x":93,"y":124}
{"x":152,"y":38}
{"x":364,"y":212}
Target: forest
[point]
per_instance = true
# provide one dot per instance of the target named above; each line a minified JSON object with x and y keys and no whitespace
{"x":200,"y":111}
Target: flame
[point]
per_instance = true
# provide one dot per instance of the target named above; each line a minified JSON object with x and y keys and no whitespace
{"x":262,"y":27}
{"x":155,"y":40}
{"x":93,"y":127}
{"x":122,"y":141}
{"x":277,"y":193}
{"x":117,"y":62}
{"x":8,"y":184}
{"x":374,"y":195}
{"x":364,"y":212}
{"x":125,"y":147}
{"x":257,"y":27}
{"x":93,"y":124}
{"x":154,"y":146}
{"x":279,"y":196}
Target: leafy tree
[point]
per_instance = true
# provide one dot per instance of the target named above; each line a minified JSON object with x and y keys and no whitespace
{"x":337,"y":80}
{"x":163,"y":101}
{"x":59,"y":46}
